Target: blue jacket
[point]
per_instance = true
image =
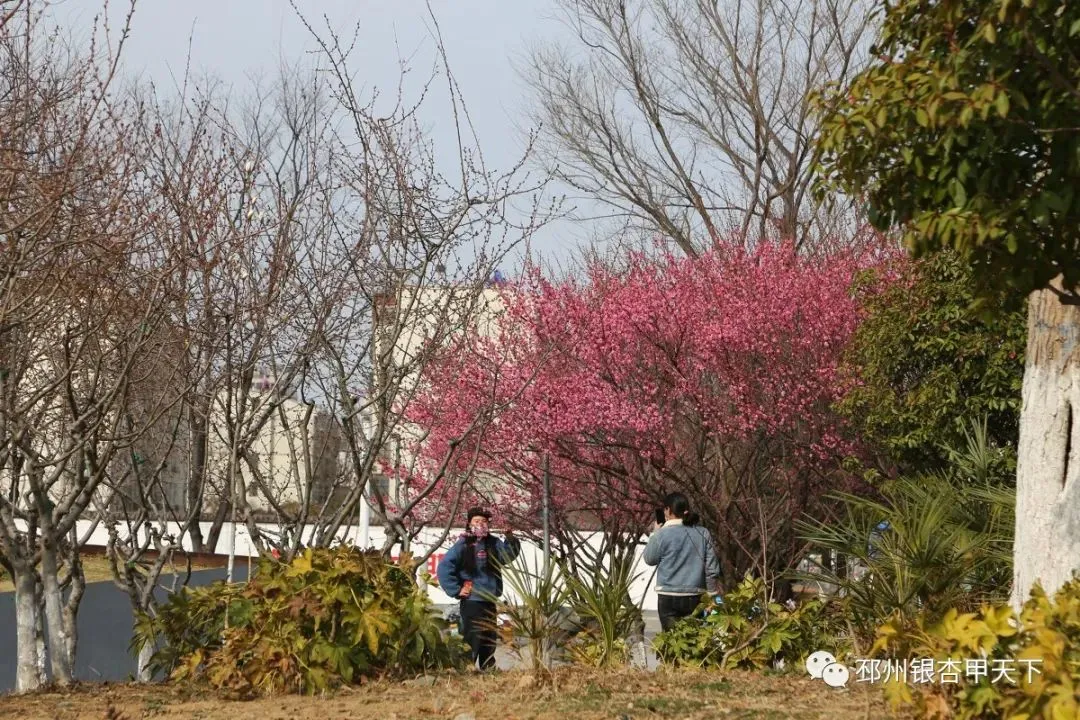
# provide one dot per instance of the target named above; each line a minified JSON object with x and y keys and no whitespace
{"x":487,"y":580}
{"x":686,"y":558}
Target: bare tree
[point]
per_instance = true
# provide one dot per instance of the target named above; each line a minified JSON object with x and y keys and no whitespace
{"x":321,"y":257}
{"x":159,"y":490}
{"x":82,"y":292}
{"x":396,"y":256}
{"x":693,"y":119}
{"x":141,"y":504}
{"x":245,"y":240}
{"x":181,"y":282}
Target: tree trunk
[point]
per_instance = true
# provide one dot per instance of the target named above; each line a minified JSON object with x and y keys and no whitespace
{"x":71,"y":607}
{"x":196,"y":479}
{"x":30,"y":672}
{"x":56,"y":628}
{"x":1047,"y":546}
{"x":224,"y":510}
{"x":145,"y":653}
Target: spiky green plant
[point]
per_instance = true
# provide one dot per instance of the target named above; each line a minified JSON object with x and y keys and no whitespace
{"x":927,"y":543}
{"x":600,"y":594}
{"x":537,"y":611}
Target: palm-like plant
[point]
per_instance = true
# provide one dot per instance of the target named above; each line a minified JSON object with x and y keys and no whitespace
{"x":928,"y":543}
{"x":600,"y":594}
{"x":536,"y":613}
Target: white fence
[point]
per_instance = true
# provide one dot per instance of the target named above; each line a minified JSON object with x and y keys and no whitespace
{"x":641,"y":591}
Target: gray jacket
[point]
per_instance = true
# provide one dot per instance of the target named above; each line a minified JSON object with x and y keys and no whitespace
{"x":686,"y":559}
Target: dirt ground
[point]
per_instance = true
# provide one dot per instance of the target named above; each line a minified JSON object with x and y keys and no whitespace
{"x":575,"y":693}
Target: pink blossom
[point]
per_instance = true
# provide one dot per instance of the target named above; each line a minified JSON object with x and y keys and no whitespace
{"x":615,"y":376}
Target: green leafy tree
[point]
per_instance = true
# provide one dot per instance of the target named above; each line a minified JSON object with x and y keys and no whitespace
{"x":928,"y":364}
{"x":964,"y":134}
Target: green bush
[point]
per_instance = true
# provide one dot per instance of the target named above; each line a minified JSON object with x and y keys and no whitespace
{"x":748,"y":632}
{"x":925,"y":543}
{"x":1043,"y":643}
{"x":926,"y":361}
{"x":536,"y":612}
{"x":600,"y":597}
{"x":585,"y":608}
{"x":327,"y":618}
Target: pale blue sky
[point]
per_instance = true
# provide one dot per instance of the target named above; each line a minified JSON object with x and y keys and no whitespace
{"x":235,"y":39}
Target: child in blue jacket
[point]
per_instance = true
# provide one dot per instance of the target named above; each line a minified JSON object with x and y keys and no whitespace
{"x":471,"y":571}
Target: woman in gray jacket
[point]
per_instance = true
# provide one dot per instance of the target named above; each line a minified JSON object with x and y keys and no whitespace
{"x":686,"y":560}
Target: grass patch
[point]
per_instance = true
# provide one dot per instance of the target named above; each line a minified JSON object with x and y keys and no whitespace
{"x":96,"y":569}
{"x":669,"y":706}
{"x":579,"y":693}
{"x":592,"y":697}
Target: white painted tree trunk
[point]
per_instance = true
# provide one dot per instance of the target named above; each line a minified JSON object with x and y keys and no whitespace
{"x":59,"y":642}
{"x":30,"y":670}
{"x":1047,"y":548}
{"x":145,"y":653}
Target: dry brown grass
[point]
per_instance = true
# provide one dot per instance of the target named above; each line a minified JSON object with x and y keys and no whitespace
{"x":504,"y":696}
{"x":96,"y":569}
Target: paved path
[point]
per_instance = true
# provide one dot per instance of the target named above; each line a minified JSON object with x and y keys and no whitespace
{"x":105,"y":622}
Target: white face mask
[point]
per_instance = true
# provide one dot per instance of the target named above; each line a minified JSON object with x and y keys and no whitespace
{"x":480,"y":531}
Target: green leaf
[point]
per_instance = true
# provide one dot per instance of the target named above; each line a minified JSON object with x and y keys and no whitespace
{"x":1019,"y":62}
{"x":371,"y":628}
{"x":959,"y":192}
{"x":1002,"y":104}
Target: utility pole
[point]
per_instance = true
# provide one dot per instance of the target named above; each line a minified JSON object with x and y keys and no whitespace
{"x":547,"y":513}
{"x":232,"y":455}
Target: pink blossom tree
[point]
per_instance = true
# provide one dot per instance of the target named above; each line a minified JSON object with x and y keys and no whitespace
{"x":715,"y":376}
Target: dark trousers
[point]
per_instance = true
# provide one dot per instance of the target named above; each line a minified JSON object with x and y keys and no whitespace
{"x":478,"y":627}
{"x":673,"y":608}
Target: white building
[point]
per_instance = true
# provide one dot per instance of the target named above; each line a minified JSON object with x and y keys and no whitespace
{"x":416,"y":320}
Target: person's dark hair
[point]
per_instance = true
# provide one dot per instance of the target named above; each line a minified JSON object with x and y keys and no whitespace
{"x":476,"y":512}
{"x":679,"y":506}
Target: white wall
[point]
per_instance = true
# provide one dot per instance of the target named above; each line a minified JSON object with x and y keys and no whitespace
{"x":531,"y":555}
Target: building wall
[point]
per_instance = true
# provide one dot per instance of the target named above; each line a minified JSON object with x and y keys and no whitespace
{"x":421,"y":315}
{"x":429,"y":540}
{"x":167,"y":448}
{"x":290,"y":469}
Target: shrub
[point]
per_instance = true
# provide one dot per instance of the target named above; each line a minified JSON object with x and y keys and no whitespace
{"x":1043,"y":643}
{"x":600,"y":596}
{"x":745,"y":631}
{"x":327,"y":618}
{"x":927,"y":360}
{"x":537,"y":612}
{"x":585,"y":608}
{"x":925,"y":543}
